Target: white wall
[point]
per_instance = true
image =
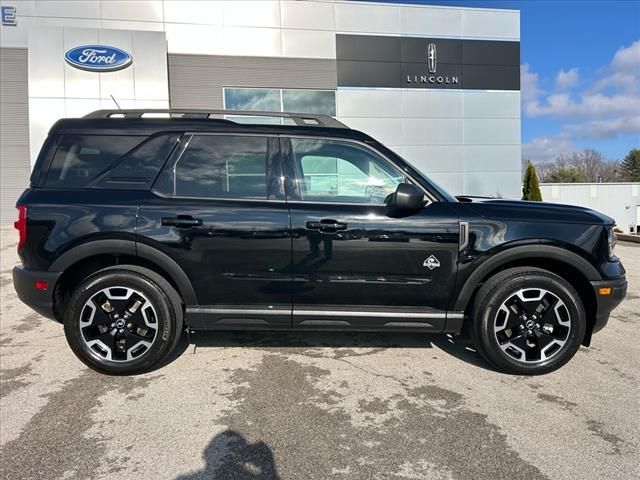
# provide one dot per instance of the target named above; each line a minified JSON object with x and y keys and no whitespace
{"x":617,"y":200}
{"x":467,"y":141}
{"x":260,"y":27}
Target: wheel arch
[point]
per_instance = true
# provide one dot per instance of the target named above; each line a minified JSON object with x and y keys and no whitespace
{"x":564,"y":263}
{"x":83,"y":260}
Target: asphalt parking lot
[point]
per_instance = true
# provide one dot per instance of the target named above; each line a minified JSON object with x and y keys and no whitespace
{"x":317,"y":406}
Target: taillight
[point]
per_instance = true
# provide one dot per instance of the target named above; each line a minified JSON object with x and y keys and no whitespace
{"x":21,"y":225}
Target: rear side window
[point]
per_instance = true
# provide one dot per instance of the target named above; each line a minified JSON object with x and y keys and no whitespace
{"x":139,"y":166}
{"x":81,"y":158}
{"x":223,"y":166}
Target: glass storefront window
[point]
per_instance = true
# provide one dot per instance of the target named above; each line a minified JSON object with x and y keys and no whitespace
{"x":297,"y":100}
{"x":253,"y":99}
{"x":309,"y":101}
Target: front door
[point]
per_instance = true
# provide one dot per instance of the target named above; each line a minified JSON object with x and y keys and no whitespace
{"x":218,"y":209}
{"x":355,"y":265}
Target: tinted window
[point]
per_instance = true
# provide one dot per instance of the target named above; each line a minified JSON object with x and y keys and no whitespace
{"x":81,"y":158}
{"x":337,"y":171}
{"x":218,"y":166}
{"x":139,"y":166}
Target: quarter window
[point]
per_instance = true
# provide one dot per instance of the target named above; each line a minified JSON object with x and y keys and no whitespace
{"x":343,"y":172}
{"x":81,"y":158}
{"x":220,"y":166}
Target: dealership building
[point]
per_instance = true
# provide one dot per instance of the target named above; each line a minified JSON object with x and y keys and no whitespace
{"x":439,"y":85}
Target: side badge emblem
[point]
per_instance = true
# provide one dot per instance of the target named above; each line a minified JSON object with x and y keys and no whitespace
{"x":431,"y":262}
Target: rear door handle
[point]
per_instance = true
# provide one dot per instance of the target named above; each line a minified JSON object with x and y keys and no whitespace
{"x":181,"y":221}
{"x":327,"y":225}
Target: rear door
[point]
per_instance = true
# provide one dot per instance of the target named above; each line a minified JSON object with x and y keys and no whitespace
{"x":354,"y":264}
{"x":218,"y":209}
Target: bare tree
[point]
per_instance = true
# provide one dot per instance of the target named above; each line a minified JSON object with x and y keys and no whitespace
{"x":544,"y":170}
{"x":585,"y":166}
{"x":612,"y":171}
{"x":589,"y":163}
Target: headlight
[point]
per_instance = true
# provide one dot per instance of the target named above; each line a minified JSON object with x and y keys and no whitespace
{"x":612,"y":241}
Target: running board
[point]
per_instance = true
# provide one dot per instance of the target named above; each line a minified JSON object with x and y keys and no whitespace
{"x":281,"y":317}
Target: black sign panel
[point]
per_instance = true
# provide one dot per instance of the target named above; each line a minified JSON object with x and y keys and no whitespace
{"x":408,"y":62}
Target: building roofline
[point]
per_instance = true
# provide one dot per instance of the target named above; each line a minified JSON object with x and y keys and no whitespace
{"x":419,"y":5}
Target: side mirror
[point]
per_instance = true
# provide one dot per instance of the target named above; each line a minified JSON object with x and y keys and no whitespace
{"x":406,"y":197}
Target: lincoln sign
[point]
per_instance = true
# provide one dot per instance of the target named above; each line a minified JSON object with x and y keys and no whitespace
{"x":411,"y":62}
{"x":432,"y":79}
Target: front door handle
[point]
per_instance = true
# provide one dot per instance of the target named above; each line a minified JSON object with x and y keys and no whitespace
{"x":327,"y":225}
{"x":181,"y":221}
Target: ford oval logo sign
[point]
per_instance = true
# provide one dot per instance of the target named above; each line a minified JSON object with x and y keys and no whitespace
{"x":98,"y":58}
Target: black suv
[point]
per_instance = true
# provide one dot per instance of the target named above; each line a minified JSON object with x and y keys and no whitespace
{"x":135,"y":228}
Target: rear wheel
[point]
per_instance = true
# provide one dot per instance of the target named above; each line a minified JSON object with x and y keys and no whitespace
{"x":123,"y":320}
{"x":528,"y":321}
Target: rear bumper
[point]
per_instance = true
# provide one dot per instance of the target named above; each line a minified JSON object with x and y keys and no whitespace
{"x":39,"y":300}
{"x":607,"y":302}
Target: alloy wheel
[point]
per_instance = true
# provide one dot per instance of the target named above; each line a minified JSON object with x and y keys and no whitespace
{"x":118,"y":324}
{"x":532,"y":325}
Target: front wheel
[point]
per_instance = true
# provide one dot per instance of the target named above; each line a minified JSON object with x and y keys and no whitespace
{"x":123,"y":320}
{"x":528,"y":321}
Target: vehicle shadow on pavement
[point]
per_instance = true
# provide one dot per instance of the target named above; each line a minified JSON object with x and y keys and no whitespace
{"x":456,"y":346}
{"x":229,"y":455}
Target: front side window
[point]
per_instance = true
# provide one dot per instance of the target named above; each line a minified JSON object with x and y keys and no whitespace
{"x":343,"y":172}
{"x":223,"y":166}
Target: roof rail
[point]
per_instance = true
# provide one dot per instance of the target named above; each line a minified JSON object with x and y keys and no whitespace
{"x":302,"y":119}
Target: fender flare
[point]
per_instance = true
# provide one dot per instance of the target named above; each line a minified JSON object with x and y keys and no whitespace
{"x":519,"y":253}
{"x":129,"y":247}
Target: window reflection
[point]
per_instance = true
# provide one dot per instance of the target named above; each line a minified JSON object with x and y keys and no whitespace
{"x":223,"y":167}
{"x":252,"y":99}
{"x":309,"y":101}
{"x":280,"y":100}
{"x":81,"y":158}
{"x":336,"y":171}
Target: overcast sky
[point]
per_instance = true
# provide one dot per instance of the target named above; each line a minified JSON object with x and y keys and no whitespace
{"x":580,"y":74}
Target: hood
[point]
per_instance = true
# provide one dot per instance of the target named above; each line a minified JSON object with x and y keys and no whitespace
{"x":535,"y":211}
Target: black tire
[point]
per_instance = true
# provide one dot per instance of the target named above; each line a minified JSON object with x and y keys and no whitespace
{"x":167,"y":310}
{"x":487,"y":318}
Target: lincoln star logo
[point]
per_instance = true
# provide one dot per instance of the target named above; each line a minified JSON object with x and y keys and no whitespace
{"x":431,"y":78}
{"x":431,"y":57}
{"x":431,"y":262}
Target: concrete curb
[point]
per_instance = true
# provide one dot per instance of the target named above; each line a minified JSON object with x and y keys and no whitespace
{"x":628,"y":238}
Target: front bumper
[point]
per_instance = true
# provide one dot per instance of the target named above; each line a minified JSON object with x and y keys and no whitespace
{"x":605,"y":303}
{"x":41,"y":301}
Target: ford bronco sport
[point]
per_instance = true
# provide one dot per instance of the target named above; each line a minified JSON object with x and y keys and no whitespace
{"x":136,"y":227}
